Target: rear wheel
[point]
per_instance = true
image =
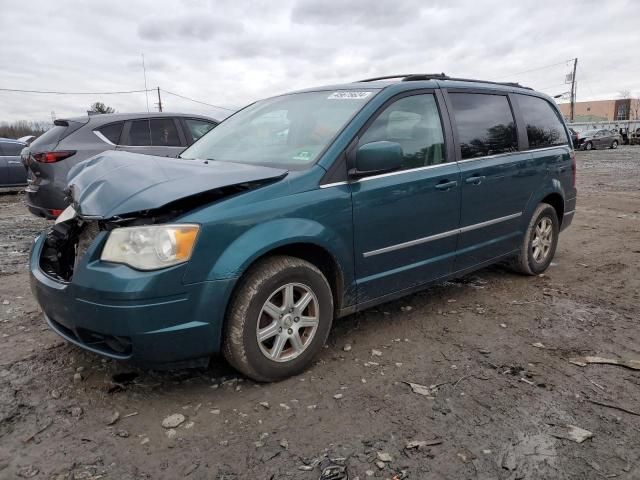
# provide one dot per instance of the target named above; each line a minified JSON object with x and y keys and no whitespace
{"x":614,"y":144}
{"x":588,"y":146}
{"x":279,"y":319}
{"x":539,"y":242}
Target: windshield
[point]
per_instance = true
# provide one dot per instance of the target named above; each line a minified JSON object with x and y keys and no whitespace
{"x":290,"y":131}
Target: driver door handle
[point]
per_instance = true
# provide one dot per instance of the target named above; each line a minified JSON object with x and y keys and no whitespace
{"x":446,"y":185}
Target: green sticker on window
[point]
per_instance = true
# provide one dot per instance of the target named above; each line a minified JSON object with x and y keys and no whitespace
{"x":303,"y":155}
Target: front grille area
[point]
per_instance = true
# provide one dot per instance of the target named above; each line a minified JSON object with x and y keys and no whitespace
{"x":64,"y":247}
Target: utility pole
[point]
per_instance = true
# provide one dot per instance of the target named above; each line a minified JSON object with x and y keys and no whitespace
{"x":573,"y":89}
{"x":160,"y":100}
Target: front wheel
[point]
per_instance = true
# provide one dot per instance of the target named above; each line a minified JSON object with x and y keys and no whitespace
{"x":539,"y":242}
{"x":279,"y":319}
{"x":588,"y":146}
{"x":614,"y":144}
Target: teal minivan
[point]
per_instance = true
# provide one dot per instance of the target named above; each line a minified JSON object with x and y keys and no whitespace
{"x":299,"y":209}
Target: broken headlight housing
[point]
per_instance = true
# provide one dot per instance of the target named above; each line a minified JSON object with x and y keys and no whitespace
{"x":151,"y":247}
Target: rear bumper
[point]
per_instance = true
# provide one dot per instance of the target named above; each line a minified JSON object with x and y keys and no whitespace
{"x":147,"y":318}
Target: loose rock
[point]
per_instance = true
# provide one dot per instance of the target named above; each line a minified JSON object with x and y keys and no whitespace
{"x":172,"y":421}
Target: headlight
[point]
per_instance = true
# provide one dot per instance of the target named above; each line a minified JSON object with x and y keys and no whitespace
{"x":150,"y":247}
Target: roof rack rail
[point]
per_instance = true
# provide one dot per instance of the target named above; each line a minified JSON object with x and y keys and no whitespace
{"x":441,"y":76}
{"x":427,"y":76}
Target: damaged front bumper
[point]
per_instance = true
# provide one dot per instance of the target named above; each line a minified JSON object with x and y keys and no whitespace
{"x":151,"y":319}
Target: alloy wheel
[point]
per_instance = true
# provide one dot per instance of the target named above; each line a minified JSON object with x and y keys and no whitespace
{"x":288,"y":322}
{"x":542,"y":239}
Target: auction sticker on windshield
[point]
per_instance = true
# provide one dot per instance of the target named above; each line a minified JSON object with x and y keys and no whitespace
{"x":348,"y":95}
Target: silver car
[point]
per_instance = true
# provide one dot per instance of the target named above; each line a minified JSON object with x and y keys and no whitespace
{"x":598,"y":138}
{"x":50,"y":157}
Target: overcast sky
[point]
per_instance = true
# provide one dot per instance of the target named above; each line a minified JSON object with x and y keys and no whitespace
{"x":230,"y":53}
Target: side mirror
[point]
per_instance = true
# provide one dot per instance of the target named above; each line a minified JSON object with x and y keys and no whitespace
{"x":375,"y":158}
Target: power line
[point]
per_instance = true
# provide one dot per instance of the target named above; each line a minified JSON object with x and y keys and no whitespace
{"x":536,"y":69}
{"x":70,"y":93}
{"x":145,"y":90}
{"x":197,"y":101}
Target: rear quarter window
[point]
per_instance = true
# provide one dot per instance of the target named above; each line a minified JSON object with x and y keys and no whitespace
{"x":112,"y":131}
{"x":50,"y":137}
{"x":543,"y":123}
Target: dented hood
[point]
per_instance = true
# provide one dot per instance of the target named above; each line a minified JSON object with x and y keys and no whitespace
{"x":117,"y":183}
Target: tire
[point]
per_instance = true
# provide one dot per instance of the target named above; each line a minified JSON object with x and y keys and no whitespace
{"x":530,"y":261}
{"x":614,"y":144}
{"x":588,"y":146}
{"x":291,"y":341}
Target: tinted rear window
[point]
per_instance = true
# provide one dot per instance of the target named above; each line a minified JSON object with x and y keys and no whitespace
{"x":50,"y":138}
{"x":112,"y":131}
{"x":544,"y":126}
{"x":485,"y":124}
{"x":10,"y":149}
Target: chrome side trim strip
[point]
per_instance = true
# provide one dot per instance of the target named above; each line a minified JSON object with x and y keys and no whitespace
{"x":439,"y":236}
{"x":335,"y":184}
{"x":490,"y":222}
{"x":569,"y":213}
{"x":400,"y":172}
{"x":411,"y":243}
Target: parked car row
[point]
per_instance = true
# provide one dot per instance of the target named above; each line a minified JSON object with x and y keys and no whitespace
{"x":294,"y":211}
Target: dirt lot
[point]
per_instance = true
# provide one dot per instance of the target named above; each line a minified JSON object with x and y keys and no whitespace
{"x":495,"y":346}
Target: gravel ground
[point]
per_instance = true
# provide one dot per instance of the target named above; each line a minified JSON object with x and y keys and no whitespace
{"x":492,"y":348}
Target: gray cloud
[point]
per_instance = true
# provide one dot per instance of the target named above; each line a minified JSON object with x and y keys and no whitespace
{"x":229,"y":52}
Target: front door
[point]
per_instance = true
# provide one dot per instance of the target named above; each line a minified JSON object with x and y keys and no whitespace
{"x":496,"y":178}
{"x":405,"y":222}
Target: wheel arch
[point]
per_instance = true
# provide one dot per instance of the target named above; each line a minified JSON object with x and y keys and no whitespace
{"x":557,"y":202}
{"x":301,"y":238}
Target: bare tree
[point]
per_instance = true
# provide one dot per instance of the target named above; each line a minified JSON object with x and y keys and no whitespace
{"x":99,"y":107}
{"x":22,"y":128}
{"x":624,"y":94}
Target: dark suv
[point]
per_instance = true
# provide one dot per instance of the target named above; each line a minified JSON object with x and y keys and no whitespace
{"x":50,"y":157}
{"x":301,"y":208}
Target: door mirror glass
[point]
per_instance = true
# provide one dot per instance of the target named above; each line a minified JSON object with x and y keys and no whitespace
{"x":377,"y":157}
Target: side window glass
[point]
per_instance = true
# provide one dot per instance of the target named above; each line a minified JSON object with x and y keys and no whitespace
{"x":414,"y":123}
{"x":139,"y":135}
{"x":10,"y":149}
{"x":544,"y":126}
{"x":164,"y":133}
{"x":485,"y":124}
{"x":157,"y":132}
{"x":112,"y":131}
{"x":197,"y":128}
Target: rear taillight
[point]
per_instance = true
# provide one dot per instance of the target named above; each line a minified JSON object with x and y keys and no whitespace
{"x":573,"y":166}
{"x":52,"y":157}
{"x":55,"y":212}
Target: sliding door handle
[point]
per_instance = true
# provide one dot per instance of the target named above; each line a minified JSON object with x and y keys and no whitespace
{"x":446,"y":185}
{"x":475,"y":180}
